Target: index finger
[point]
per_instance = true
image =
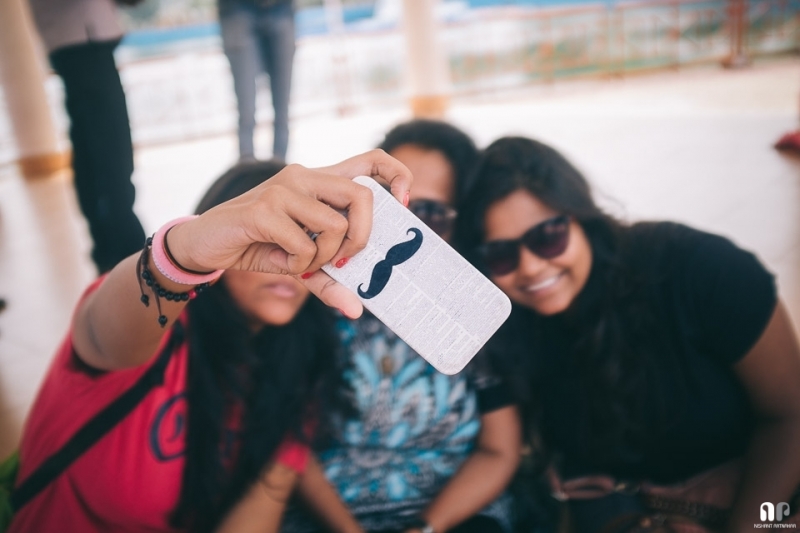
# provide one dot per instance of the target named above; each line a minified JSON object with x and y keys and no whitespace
{"x":376,"y":163}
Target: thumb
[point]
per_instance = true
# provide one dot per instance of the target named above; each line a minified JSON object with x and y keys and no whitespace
{"x":333,"y":294}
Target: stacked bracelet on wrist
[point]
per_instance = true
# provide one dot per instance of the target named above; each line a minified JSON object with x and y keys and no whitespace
{"x":170,"y":269}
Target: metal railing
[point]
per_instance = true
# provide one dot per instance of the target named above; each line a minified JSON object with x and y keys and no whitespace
{"x":189,"y":94}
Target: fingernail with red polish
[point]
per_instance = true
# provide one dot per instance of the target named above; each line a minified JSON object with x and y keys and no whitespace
{"x":405,"y":199}
{"x":342,"y":262}
{"x":307,"y":275}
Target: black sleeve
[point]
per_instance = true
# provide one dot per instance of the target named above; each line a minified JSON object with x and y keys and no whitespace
{"x":730,"y":296}
{"x":492,"y":393}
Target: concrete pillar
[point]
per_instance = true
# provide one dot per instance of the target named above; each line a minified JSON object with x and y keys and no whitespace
{"x":428,"y":67}
{"x":22,"y":78}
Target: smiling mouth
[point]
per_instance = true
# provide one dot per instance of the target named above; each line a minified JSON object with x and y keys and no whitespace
{"x":549,"y":282}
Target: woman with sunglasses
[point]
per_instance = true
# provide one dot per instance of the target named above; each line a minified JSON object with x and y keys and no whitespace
{"x":640,"y":354}
{"x":421,"y":452}
{"x":215,"y":444}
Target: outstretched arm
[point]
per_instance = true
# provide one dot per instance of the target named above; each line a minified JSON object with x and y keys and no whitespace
{"x":263,"y":230}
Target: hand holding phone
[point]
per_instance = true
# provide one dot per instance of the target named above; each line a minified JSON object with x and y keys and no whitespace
{"x":421,"y":288}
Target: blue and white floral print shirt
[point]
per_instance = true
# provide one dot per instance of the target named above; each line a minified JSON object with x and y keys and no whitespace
{"x":412,"y":429}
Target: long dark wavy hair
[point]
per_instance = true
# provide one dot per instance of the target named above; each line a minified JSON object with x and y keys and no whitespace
{"x":456,"y":146}
{"x":614,"y":336}
{"x":278,"y":379}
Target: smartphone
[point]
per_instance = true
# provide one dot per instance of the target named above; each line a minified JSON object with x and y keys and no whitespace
{"x":421,"y":288}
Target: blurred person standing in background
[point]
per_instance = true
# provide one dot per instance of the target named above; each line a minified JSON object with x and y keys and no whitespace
{"x":80,"y":37}
{"x":258,"y":35}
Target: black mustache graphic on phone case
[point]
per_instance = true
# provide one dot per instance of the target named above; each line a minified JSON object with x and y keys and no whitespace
{"x":421,"y":288}
{"x":397,"y":254}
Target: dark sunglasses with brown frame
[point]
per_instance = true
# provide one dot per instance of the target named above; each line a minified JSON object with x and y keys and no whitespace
{"x":548,"y":239}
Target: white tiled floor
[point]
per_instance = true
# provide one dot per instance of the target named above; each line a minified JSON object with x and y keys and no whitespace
{"x":693,"y":146}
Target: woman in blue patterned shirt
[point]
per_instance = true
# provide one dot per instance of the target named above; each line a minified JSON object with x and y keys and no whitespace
{"x":421,"y":452}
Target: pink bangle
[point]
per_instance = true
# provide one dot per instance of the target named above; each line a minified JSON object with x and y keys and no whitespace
{"x":169,"y":267}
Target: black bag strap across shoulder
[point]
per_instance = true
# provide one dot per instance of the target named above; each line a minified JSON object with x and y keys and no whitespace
{"x":97,"y":427}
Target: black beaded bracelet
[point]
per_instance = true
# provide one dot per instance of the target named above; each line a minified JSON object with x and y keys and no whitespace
{"x":145,"y":277}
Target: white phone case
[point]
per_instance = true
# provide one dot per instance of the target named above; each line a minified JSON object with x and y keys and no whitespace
{"x":421,"y":288}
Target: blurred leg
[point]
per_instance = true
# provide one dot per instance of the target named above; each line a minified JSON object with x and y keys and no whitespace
{"x":241,"y":48}
{"x":277,"y":40}
{"x":102,"y":149}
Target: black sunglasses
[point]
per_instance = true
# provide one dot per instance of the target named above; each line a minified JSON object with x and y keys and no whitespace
{"x":547,"y":239}
{"x":436,"y":215}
